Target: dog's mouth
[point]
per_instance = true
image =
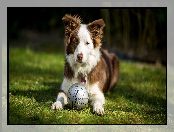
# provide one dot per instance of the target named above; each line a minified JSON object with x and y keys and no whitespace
{"x":79,"y":61}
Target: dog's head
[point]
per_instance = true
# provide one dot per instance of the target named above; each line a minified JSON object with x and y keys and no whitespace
{"x":82,"y":40}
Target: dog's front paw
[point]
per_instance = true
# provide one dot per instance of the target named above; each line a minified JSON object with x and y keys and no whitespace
{"x":57,"y":106}
{"x":98,"y":109}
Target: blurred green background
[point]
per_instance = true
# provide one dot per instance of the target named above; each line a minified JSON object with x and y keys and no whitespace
{"x":132,"y":33}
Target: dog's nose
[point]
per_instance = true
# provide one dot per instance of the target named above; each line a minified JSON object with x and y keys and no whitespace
{"x":80,"y":56}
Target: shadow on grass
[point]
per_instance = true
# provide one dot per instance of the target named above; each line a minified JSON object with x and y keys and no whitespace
{"x":43,"y":95}
{"x":126,"y":90}
{"x":32,"y":82}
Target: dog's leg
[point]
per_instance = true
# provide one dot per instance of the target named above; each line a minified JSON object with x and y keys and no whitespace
{"x":62,"y":95}
{"x":97,"y":100}
{"x":60,"y":101}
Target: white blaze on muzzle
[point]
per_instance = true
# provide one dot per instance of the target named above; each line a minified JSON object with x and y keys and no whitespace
{"x":80,"y":54}
{"x":85,"y":45}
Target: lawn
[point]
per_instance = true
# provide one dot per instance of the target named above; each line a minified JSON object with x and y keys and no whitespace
{"x":34,"y":77}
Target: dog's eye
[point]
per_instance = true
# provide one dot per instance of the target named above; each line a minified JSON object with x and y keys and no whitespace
{"x":87,"y":43}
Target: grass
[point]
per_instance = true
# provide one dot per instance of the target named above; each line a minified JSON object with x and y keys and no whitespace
{"x":34,"y":77}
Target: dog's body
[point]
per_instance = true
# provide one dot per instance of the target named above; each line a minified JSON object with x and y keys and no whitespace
{"x":87,"y":63}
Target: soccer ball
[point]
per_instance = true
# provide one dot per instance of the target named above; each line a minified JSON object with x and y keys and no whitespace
{"x":77,"y":96}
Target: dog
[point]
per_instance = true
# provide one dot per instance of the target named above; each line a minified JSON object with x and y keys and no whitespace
{"x":87,"y":63}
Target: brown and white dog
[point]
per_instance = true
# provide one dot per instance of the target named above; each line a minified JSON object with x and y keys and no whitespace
{"x":86,"y":62}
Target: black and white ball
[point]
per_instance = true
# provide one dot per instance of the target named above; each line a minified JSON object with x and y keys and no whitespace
{"x":77,"y":96}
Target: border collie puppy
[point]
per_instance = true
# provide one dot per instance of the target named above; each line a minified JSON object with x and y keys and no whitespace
{"x":86,"y":62}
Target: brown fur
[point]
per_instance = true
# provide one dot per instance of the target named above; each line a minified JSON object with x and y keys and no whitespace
{"x":105,"y":72}
{"x":112,"y":64}
{"x":72,"y":24}
{"x":68,"y":72}
{"x":95,"y":29}
{"x":98,"y":74}
{"x":72,"y":44}
{"x":61,"y":91}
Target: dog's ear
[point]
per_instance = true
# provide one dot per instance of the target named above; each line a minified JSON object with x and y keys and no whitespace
{"x":96,"y":28}
{"x":71,"y":23}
